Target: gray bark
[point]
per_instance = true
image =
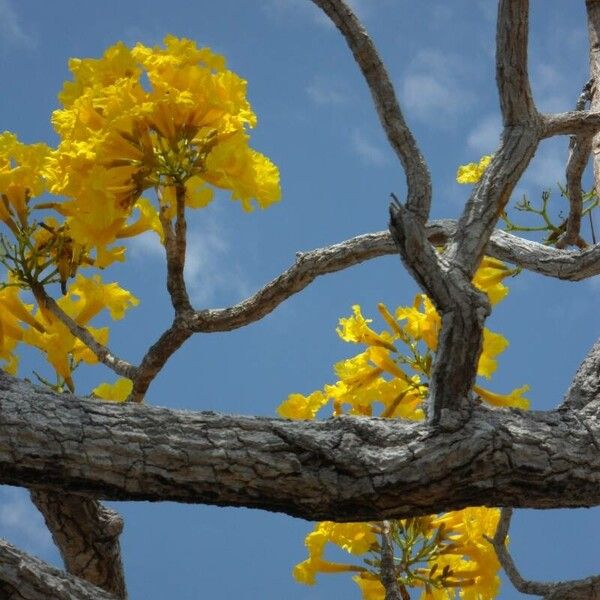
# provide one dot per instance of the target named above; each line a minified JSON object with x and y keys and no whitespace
{"x":23,"y":577}
{"x":347,"y":468}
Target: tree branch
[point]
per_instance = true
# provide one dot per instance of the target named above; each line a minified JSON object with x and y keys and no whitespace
{"x":399,"y":135}
{"x":580,"y":147}
{"x":23,"y":577}
{"x":593,"y":26}
{"x":344,"y":469}
{"x":585,"y":387}
{"x":104,"y":355}
{"x":580,"y":589}
{"x":87,"y":535}
{"x":512,"y":29}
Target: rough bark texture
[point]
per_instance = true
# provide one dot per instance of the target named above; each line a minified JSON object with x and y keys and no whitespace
{"x":342,"y":469}
{"x":72,"y":450}
{"x":87,"y":535}
{"x":23,"y":577}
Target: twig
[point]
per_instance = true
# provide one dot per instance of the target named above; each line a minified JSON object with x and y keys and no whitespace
{"x":389,"y":577}
{"x":580,"y":147}
{"x":104,"y":355}
{"x":399,"y":135}
{"x":579,"y":589}
{"x":175,"y":247}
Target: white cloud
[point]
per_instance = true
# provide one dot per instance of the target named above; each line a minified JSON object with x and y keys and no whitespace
{"x":209,"y":269}
{"x":368,"y":152}
{"x":484,"y":139}
{"x":548,"y":85}
{"x":436,"y":87}
{"x":11,"y":31}
{"x":325,"y":91}
{"x":20,"y":519}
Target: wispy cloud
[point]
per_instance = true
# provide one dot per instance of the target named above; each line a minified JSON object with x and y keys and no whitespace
{"x":366,"y":150}
{"x":485,"y":137}
{"x":20,"y":520}
{"x":325,"y":91}
{"x":210,"y":271}
{"x":11,"y":31}
{"x":436,"y":87}
{"x":548,"y":85}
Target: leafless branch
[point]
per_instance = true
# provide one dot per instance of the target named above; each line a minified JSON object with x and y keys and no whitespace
{"x":159,"y":353}
{"x":104,"y":355}
{"x":23,"y":577}
{"x":175,"y":246}
{"x":580,"y":589}
{"x":342,"y":469}
{"x":505,"y":559}
{"x":585,"y":386}
{"x":389,"y":577}
{"x":512,"y":30}
{"x":87,"y":535}
{"x":579,"y":152}
{"x":391,"y":118}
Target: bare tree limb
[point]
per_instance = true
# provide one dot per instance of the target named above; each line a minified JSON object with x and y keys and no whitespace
{"x":389,"y":577}
{"x":585,"y":387}
{"x":570,"y":123}
{"x":87,"y":535}
{"x":399,"y":135}
{"x":159,"y":353}
{"x":104,"y":355}
{"x":512,"y":29}
{"x":593,"y":26}
{"x":579,"y":152}
{"x":175,"y":246}
{"x":23,"y":577}
{"x":343,"y":469}
{"x":580,"y":589}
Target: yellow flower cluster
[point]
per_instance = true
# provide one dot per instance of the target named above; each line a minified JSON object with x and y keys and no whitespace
{"x":473,"y":172}
{"x":390,"y":382}
{"x":172,"y":119}
{"x":86,"y":298}
{"x":152,"y":118}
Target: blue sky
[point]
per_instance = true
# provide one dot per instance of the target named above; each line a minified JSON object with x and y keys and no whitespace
{"x":317,"y":123}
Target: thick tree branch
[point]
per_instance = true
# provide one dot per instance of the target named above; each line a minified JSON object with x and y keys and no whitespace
{"x":585,"y":387}
{"x":399,"y":135}
{"x":87,"y":535}
{"x":346,"y":468}
{"x":593,"y":26}
{"x":23,"y":577}
{"x":512,"y":29}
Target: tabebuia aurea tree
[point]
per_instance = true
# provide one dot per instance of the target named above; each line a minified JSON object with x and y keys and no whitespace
{"x":408,"y":459}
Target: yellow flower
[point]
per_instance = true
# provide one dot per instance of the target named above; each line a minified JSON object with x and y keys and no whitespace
{"x":356,"y":329}
{"x":115,"y":392}
{"x":422,"y":320}
{"x":493,"y":344}
{"x":473,"y":172}
{"x":354,"y":538}
{"x":371,"y":588}
{"x":120,"y":136}
{"x":489,"y":276}
{"x":85,"y":299}
{"x":21,"y":177}
{"x":297,"y":406}
{"x":514,"y":399}
{"x":12,"y":314}
{"x":471,"y":557}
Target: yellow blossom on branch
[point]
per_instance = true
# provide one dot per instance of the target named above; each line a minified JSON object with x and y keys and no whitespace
{"x":473,"y":172}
